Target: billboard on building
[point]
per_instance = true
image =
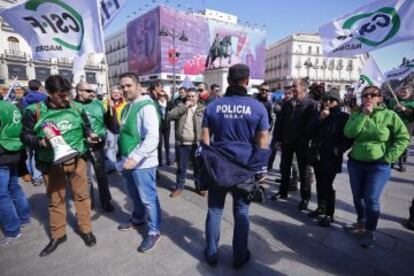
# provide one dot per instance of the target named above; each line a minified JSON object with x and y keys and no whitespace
{"x":144,"y":57}
{"x":149,"y":53}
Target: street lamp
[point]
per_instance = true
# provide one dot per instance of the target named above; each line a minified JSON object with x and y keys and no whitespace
{"x":181,"y":37}
{"x":308,"y":64}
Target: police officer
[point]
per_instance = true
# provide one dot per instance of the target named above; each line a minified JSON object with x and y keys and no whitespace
{"x":95,"y":112}
{"x":76,"y":131}
{"x":236,"y":123}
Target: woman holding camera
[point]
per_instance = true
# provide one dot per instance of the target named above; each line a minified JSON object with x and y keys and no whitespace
{"x":380,"y":138}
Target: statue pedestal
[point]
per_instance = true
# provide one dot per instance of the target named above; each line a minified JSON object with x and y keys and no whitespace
{"x":217,"y":76}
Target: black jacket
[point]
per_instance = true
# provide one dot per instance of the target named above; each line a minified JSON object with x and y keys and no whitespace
{"x":293,"y":119}
{"x":268,"y":105}
{"x":328,"y":142}
{"x":165,"y":122}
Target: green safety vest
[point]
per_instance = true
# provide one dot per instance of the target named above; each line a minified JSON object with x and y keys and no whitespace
{"x":10,"y":127}
{"x":95,"y":112}
{"x":70,"y":123}
{"x":129,"y":136}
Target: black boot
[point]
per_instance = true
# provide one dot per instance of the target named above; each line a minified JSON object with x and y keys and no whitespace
{"x":410,"y":223}
{"x":330,"y":210}
{"x":88,"y":238}
{"x":320,"y":211}
{"x":52,"y":245}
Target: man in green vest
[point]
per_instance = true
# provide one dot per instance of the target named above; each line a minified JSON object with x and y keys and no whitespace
{"x":85,"y":99}
{"x":138,"y":143}
{"x":75,"y":130}
{"x":14,"y":208}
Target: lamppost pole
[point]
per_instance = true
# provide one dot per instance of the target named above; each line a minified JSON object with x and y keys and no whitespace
{"x":308,"y":65}
{"x":182,"y":37}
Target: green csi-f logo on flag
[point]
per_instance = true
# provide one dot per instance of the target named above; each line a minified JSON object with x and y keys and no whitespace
{"x":63,"y":24}
{"x":365,"y":80}
{"x":381,"y":26}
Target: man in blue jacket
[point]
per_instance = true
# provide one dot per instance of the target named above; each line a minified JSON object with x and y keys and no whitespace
{"x":238,"y":124}
{"x":33,"y":96}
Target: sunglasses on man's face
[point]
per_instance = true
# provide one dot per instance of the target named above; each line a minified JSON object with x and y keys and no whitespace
{"x":200,"y":89}
{"x":264,"y":90}
{"x":329,"y":99}
{"x":370,"y":95}
{"x":87,"y":90}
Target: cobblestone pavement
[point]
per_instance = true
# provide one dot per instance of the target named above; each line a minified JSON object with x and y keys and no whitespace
{"x":282,"y":241}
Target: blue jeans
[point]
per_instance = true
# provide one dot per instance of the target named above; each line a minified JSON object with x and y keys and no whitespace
{"x":186,"y":152}
{"x":14,"y":208}
{"x":367,"y":182}
{"x":141,"y":187}
{"x":112,"y":149}
{"x":216,"y":200}
{"x":31,"y":165}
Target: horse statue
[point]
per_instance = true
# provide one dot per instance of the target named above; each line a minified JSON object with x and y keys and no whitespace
{"x":219,"y":49}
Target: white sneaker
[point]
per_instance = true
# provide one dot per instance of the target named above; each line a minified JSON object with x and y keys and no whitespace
{"x":9,"y":240}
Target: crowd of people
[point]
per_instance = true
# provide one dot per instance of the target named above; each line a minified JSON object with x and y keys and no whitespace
{"x":225,"y":138}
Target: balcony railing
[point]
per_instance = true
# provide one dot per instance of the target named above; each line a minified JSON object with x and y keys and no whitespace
{"x":15,"y":54}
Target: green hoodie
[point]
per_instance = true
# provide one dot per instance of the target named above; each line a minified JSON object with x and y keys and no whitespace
{"x":380,"y":136}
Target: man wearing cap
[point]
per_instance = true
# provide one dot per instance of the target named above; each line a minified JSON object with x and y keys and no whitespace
{"x":328,"y":144}
{"x":238,"y":126}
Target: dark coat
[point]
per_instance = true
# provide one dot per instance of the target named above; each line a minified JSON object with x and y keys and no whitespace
{"x":293,"y":119}
{"x":268,"y":105}
{"x":328,"y":142}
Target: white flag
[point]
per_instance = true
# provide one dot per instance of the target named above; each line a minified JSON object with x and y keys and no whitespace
{"x":376,"y":25}
{"x":400,"y":73}
{"x":59,"y":28}
{"x":109,"y":9}
{"x":370,"y":75}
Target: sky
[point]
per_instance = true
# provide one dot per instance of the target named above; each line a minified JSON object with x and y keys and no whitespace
{"x":281,"y":18}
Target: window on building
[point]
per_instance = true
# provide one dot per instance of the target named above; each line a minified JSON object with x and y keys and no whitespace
{"x":316,"y":64}
{"x":18,"y":71}
{"x":331,"y":64}
{"x":340,"y":65}
{"x":309,"y":49}
{"x":300,"y":49}
{"x":317,"y":50}
{"x":350,"y":65}
{"x":14,"y":46}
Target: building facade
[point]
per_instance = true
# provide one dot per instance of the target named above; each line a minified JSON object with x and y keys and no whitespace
{"x":116,"y":51}
{"x":147,"y":47}
{"x":300,"y":55}
{"x":16,"y":62}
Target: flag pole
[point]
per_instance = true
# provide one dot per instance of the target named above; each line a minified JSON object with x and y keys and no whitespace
{"x":392,"y":92}
{"x":387,"y":83}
